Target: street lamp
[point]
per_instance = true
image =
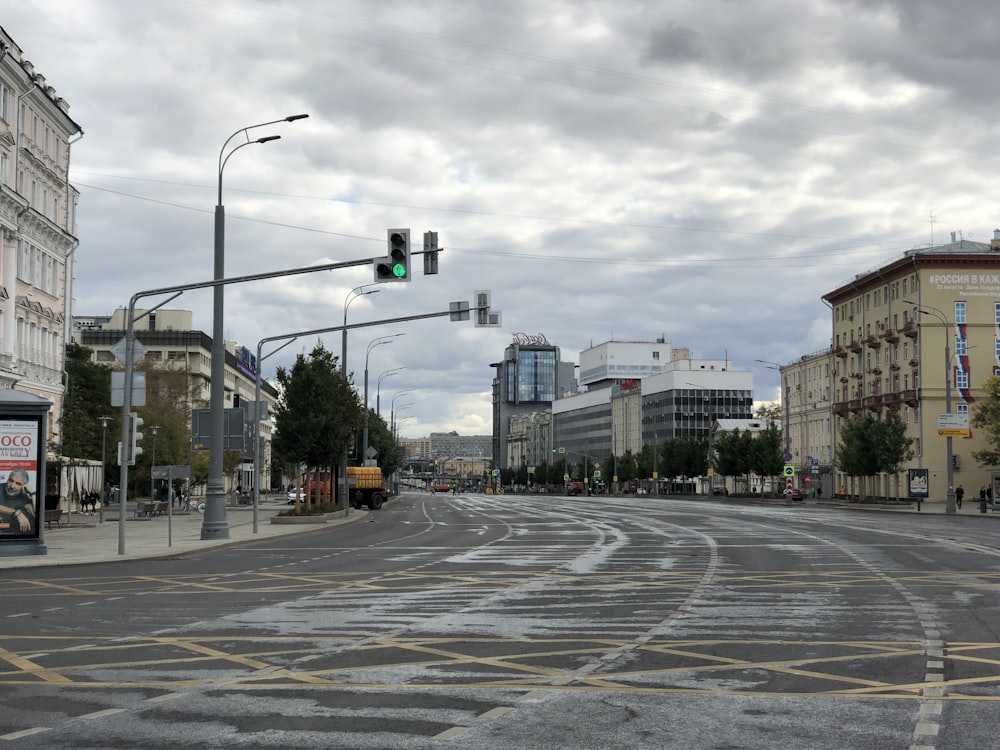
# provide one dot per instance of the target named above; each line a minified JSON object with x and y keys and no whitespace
{"x":928,"y":310}
{"x":104,"y":463}
{"x":153,"y":428}
{"x":214,"y":525}
{"x":258,"y":453}
{"x":378,"y":387}
{"x":392,"y":406}
{"x":785,"y":397}
{"x":358,"y":291}
{"x":371,"y":345}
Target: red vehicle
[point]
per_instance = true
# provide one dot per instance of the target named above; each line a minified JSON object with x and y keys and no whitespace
{"x":795,"y":494}
{"x":574,"y":488}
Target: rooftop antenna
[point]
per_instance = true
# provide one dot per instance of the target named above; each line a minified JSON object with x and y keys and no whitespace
{"x":931,"y":218}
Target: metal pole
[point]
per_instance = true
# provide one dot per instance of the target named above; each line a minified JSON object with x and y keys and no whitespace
{"x":104,"y":464}
{"x":371,"y":345}
{"x":258,"y":454}
{"x":950,"y":506}
{"x":950,"y":501}
{"x":214,"y":524}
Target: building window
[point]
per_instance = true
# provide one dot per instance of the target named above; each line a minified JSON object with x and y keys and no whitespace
{"x":959,"y":313}
{"x":961,"y":346}
{"x":961,"y":379}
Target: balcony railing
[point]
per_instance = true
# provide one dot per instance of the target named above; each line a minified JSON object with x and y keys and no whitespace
{"x":910,"y":397}
{"x":873,"y":403}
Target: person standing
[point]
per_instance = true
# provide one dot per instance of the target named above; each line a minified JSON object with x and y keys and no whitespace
{"x":959,"y":494}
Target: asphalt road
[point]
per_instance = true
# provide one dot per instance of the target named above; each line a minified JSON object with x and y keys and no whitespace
{"x":524,"y":622}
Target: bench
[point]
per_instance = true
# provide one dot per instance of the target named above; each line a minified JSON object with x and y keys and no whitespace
{"x":150,"y":508}
{"x":53,"y":515}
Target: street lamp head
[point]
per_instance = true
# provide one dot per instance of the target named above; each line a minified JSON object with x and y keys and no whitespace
{"x":267,"y":138}
{"x":293,"y":118}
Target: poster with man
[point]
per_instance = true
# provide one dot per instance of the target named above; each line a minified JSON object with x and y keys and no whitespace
{"x":19,"y":505}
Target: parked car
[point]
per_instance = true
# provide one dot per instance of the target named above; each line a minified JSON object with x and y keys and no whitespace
{"x":795,"y":494}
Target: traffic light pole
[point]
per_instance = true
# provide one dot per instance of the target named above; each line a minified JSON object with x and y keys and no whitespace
{"x":218,"y":514}
{"x":314,"y":332}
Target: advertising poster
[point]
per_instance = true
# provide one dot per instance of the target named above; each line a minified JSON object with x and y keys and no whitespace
{"x":917,"y":481}
{"x":19,"y":466}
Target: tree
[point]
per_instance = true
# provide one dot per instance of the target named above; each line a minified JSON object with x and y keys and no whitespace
{"x":766,"y":456}
{"x":732,"y":453}
{"x":869,"y":445}
{"x":986,"y":417}
{"x":317,"y":412}
{"x":769,"y":410}
{"x":896,"y":447}
{"x":88,"y":398}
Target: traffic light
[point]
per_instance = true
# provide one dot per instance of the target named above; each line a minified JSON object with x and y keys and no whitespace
{"x":396,"y":265}
{"x":135,"y":423}
{"x":430,"y":253}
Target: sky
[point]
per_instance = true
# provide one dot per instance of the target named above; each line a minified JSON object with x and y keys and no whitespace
{"x":702,"y":170}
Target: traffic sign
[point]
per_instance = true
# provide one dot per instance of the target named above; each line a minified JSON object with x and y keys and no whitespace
{"x":789,"y":471}
{"x":953,"y":425}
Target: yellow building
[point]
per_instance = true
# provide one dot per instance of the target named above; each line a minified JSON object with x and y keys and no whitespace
{"x":912,"y":335}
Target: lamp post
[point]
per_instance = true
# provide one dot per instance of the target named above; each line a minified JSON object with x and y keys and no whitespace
{"x":358,"y":291}
{"x":214,"y":524}
{"x":104,"y":463}
{"x":785,"y":395}
{"x":378,"y":387}
{"x":153,"y":428}
{"x":371,"y":345}
{"x":392,"y":407}
{"x":928,"y":310}
{"x":258,"y":454}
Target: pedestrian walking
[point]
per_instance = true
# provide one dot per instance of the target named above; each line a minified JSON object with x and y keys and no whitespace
{"x":959,"y":494}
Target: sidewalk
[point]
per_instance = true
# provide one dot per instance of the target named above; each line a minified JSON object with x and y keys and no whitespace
{"x":83,"y":539}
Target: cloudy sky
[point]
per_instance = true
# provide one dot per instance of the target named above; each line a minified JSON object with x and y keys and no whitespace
{"x":702,"y":170}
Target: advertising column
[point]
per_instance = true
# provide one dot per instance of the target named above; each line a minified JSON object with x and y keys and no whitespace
{"x":22,"y":472}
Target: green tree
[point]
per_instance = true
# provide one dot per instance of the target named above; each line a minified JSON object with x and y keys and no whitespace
{"x":732,"y":454}
{"x":769,"y":410}
{"x":317,"y":412}
{"x":986,"y":417}
{"x":628,"y":467}
{"x":380,"y":438}
{"x":859,"y":452}
{"x":766,"y":452}
{"x":896,"y":447}
{"x":88,"y":398}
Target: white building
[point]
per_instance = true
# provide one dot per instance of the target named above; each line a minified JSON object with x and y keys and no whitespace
{"x":37,"y":230}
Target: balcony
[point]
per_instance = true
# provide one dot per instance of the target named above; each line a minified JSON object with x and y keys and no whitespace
{"x":873,"y":403}
{"x":872,"y":341}
{"x":840,"y":409}
{"x":839,"y":351}
{"x":855,"y":346}
{"x":910,"y":397}
{"x":890,"y":335}
{"x":854,"y":405}
{"x":908,"y":329}
{"x":891,"y":400}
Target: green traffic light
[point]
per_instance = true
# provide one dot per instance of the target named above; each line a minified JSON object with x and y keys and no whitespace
{"x":398,"y":270}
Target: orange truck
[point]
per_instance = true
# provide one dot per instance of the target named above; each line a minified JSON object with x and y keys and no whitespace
{"x":366,"y":486}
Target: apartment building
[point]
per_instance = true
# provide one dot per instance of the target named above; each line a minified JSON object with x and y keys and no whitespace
{"x":37,"y":230}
